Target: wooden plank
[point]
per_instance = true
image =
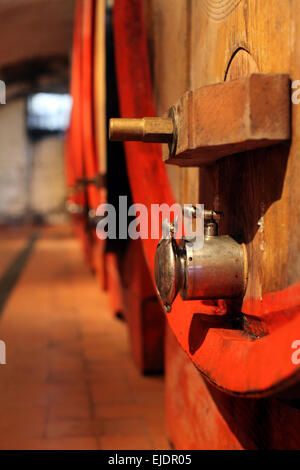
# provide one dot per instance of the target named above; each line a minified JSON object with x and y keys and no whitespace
{"x":99,"y":84}
{"x":170,"y":25}
{"x":231,"y":117}
{"x":255,"y":36}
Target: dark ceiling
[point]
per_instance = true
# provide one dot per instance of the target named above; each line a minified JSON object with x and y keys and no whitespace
{"x":35,"y":40}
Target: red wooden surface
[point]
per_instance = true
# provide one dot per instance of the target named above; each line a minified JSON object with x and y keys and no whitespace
{"x":201,"y":417}
{"x":81,"y":150}
{"x":74,"y":145}
{"x":95,"y":196}
{"x":114,"y":283}
{"x":232,"y":360}
{"x":143,"y":312}
{"x":91,"y":161}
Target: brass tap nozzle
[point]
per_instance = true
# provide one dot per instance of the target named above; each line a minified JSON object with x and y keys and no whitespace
{"x":148,"y":129}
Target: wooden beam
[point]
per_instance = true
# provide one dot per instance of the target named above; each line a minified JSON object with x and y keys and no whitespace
{"x":231,"y":117}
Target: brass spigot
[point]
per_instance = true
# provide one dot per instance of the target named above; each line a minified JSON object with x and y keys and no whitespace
{"x":150,"y":129}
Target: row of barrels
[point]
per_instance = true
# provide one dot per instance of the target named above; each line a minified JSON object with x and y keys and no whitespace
{"x":226,"y":388}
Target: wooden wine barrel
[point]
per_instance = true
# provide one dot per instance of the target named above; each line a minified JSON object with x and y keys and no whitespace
{"x":203,"y":42}
{"x":143,"y":312}
{"x":74,"y":142}
{"x":128,"y":281}
{"x":96,"y":130}
{"x":86,"y":137}
{"x":91,"y":160}
{"x":74,"y":160}
{"x":94,"y":95}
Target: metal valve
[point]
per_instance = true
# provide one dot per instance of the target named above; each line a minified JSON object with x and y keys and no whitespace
{"x":217,"y":270}
{"x":73,"y":208}
{"x":99,"y":181}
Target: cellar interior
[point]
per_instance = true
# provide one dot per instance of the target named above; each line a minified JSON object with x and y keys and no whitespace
{"x":149,"y":216}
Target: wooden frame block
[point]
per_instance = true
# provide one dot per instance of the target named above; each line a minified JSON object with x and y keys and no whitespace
{"x":231,"y":117}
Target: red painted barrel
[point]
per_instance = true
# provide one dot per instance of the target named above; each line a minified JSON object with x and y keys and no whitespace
{"x":233,"y":360}
{"x":74,"y":144}
{"x":214,"y":375}
{"x":82,"y":160}
{"x":91,"y":160}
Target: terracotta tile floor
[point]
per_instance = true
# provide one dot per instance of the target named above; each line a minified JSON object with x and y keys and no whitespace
{"x":69,"y":381}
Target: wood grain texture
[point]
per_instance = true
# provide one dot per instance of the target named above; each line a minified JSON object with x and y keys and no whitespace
{"x":171,"y":75}
{"x":231,"y":117}
{"x":254,"y":191}
{"x":218,"y":10}
{"x":251,"y":190}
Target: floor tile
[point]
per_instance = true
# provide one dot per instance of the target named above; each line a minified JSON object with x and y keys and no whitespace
{"x":70,"y":381}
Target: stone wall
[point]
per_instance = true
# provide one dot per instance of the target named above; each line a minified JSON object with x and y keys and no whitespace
{"x":47,"y":186}
{"x":31,"y":173}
